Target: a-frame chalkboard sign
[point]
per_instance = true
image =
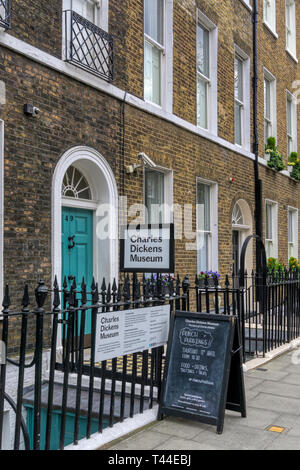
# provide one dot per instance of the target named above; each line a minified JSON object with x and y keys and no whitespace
{"x":203,"y":373}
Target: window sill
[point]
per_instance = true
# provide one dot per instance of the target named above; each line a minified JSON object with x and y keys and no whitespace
{"x":246,"y":4}
{"x":291,"y":55}
{"x":269,"y":28}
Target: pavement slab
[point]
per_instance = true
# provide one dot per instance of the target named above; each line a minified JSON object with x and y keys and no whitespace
{"x":273,"y":399}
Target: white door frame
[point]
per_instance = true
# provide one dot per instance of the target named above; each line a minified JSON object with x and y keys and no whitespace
{"x":104,"y":190}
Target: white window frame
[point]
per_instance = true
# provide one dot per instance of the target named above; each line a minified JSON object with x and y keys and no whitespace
{"x":290,"y":17}
{"x":270,"y":24}
{"x":272,"y":121}
{"x":166,"y":59}
{"x":245,"y":111}
{"x":1,"y":204}
{"x":293,"y":245}
{"x":213,"y":261}
{"x":292,"y":144}
{"x":102,"y":18}
{"x":168,"y":193}
{"x":212,"y":94}
{"x":274,"y":240}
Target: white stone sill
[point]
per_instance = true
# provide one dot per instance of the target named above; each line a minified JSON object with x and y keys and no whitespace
{"x":291,"y":55}
{"x":247,"y":5}
{"x":286,"y":173}
{"x":270,"y":29}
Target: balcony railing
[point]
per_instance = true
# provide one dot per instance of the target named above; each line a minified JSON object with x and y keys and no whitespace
{"x":88,"y":46}
{"x":5,"y":13}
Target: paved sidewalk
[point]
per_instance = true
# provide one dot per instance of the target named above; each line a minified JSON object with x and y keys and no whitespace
{"x":273,"y":398}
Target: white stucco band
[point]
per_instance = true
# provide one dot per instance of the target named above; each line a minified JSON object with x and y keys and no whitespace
{"x":104,"y":190}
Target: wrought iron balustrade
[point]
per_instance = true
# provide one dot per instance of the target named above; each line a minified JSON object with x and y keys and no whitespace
{"x":5,"y":13}
{"x":88,"y":46}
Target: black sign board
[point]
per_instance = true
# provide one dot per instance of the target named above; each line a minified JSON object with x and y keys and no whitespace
{"x":204,"y":369}
{"x":147,"y":248}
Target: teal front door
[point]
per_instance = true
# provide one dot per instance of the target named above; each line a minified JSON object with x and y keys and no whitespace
{"x":77,"y":249}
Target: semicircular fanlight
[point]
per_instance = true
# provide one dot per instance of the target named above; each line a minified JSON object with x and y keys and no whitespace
{"x":237,"y":215}
{"x":75,"y":185}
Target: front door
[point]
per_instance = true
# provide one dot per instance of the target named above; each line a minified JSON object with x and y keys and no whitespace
{"x":77,"y":249}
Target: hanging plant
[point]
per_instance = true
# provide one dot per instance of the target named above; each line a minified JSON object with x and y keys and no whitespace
{"x":276,"y":159}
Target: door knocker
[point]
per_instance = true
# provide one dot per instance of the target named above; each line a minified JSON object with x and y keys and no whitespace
{"x":72,"y":244}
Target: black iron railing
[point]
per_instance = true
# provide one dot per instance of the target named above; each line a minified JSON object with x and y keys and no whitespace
{"x":128,"y":385}
{"x":267,"y":305}
{"x":101,"y":394}
{"x":5,"y":14}
{"x":88,"y":46}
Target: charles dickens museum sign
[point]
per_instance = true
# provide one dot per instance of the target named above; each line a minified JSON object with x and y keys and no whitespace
{"x":129,"y":331}
{"x":147,"y":248}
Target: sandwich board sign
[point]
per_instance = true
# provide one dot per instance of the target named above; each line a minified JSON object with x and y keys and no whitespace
{"x":147,"y":248}
{"x":203,"y":374}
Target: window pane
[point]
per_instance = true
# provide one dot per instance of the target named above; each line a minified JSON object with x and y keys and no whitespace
{"x":290,"y":26}
{"x":203,"y":51}
{"x":90,"y":15}
{"x":238,"y":79}
{"x":238,"y":123}
{"x":202,"y":103}
{"x":269,"y":231}
{"x":289,"y":116}
{"x":290,"y":227}
{"x":267,"y":89}
{"x":203,"y":207}
{"x":268,"y":131}
{"x":269,"y":12}
{"x":152,"y":74}
{"x":269,"y":249}
{"x":154,"y":20}
{"x":203,"y":251}
{"x":154,"y":195}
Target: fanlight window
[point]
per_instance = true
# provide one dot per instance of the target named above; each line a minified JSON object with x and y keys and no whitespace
{"x":75,"y":185}
{"x":237,"y":215}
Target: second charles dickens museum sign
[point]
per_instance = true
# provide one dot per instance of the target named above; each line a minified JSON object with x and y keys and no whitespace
{"x":148,"y":248}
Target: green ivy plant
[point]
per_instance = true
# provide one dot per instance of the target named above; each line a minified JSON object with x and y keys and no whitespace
{"x":276,"y":159}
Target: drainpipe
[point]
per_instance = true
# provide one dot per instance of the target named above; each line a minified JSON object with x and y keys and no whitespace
{"x":257,"y":181}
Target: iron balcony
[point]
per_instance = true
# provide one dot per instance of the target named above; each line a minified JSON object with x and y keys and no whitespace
{"x":88,"y":46}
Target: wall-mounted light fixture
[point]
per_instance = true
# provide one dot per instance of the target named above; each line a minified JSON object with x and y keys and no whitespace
{"x":145,"y":161}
